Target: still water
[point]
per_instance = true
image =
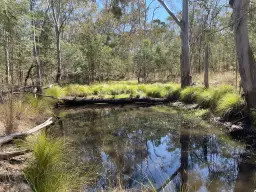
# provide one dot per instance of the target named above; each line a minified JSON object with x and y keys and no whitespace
{"x":138,"y":148}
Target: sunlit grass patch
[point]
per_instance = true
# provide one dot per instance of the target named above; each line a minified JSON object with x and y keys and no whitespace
{"x":78,"y":90}
{"x":205,"y":98}
{"x":219,"y":92}
{"x":173,"y":91}
{"x":55,"y":91}
{"x":228,"y":103}
{"x":189,"y":94}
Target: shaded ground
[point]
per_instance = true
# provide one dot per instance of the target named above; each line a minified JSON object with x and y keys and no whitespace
{"x":11,"y":172}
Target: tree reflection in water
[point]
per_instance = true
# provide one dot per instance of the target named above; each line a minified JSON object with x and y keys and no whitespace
{"x":137,"y":147}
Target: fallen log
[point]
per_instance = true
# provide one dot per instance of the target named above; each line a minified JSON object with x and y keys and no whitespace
{"x":8,"y":155}
{"x":78,"y":101}
{"x":22,"y":135}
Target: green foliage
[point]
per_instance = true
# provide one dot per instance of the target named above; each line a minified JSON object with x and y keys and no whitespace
{"x":222,"y":99}
{"x":205,"y":98}
{"x":50,"y":169}
{"x":228,"y":103}
{"x":77,"y":90}
{"x":219,"y":92}
{"x":55,"y":91}
{"x":189,"y":94}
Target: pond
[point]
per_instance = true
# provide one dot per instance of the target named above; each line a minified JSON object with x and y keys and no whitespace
{"x":157,"y":148}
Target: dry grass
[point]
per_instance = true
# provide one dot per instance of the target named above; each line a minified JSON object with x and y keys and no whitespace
{"x":21,"y":113}
{"x":220,"y":78}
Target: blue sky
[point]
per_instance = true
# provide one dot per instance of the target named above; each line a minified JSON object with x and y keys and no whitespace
{"x":160,"y":13}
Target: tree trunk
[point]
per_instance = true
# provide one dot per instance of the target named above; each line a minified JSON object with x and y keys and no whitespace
{"x":7,"y":58}
{"x":246,"y":62}
{"x":206,"y":66}
{"x":28,"y":74}
{"x":186,"y":78}
{"x":35,"y":53}
{"x":58,"y":76}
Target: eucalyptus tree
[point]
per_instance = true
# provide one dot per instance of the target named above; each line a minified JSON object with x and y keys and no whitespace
{"x":8,"y":23}
{"x":35,"y":49}
{"x":186,"y":78}
{"x":61,"y":11}
{"x":246,"y":61}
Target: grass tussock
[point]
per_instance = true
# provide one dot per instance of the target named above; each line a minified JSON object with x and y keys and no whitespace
{"x":55,"y":91}
{"x":122,"y":89}
{"x":189,"y":94}
{"x":51,"y":169}
{"x":228,"y":103}
{"x":221,"y":99}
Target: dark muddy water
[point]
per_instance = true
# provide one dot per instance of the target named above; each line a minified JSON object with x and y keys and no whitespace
{"x":138,"y":148}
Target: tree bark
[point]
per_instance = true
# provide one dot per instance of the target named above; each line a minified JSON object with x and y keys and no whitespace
{"x":7,"y":57}
{"x":28,"y":74}
{"x":206,"y":66}
{"x":186,"y":79}
{"x":58,"y":76}
{"x":246,"y":61}
{"x":35,"y":53}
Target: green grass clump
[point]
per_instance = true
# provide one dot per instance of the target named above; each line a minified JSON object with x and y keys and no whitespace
{"x":220,"y":92}
{"x":228,"y":103}
{"x":205,"y":98}
{"x":55,"y":91}
{"x":189,"y":94}
{"x":78,"y":90}
{"x":173,"y":91}
{"x":158,"y":90}
{"x":154,"y":91}
{"x":49,"y":170}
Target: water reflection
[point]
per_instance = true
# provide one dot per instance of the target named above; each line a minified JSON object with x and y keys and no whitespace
{"x":140,"y":147}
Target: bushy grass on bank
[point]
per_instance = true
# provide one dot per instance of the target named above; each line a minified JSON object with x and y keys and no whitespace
{"x":221,"y":100}
{"x":51,"y":168}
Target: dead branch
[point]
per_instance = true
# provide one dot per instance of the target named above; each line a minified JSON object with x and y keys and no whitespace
{"x":77,"y":101}
{"x":22,"y":135}
{"x":8,"y":155}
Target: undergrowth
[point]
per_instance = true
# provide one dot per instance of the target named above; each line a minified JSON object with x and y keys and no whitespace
{"x":51,"y":168}
{"x":24,"y":110}
{"x":221,"y":100}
